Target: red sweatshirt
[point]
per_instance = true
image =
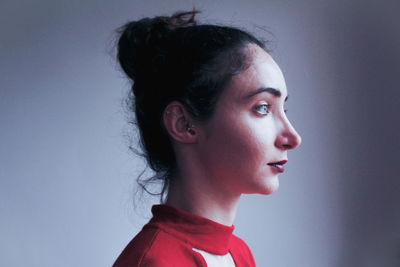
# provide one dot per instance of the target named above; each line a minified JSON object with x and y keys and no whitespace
{"x":169,"y":237}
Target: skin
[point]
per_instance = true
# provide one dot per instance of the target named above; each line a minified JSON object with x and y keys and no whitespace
{"x":228,"y":155}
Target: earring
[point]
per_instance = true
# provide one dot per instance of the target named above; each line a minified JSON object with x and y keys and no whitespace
{"x":190,"y":129}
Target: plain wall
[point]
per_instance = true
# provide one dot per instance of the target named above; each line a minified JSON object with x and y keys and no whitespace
{"x":67,"y":178}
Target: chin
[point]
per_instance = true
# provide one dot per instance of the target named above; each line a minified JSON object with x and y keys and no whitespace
{"x":270,"y":186}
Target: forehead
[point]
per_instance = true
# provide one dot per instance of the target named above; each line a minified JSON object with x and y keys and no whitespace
{"x":263,"y":72}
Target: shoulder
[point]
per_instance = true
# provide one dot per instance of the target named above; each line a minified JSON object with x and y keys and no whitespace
{"x":242,"y":251}
{"x":154,"y":247}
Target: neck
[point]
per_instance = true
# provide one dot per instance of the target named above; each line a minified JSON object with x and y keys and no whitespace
{"x":196,"y":196}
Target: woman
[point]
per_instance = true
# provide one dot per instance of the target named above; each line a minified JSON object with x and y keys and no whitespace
{"x":209,"y":104}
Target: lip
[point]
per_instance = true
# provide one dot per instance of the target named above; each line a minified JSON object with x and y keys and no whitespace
{"x":277,"y":166}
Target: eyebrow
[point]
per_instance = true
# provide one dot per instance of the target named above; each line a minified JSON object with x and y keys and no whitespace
{"x":273,"y":91}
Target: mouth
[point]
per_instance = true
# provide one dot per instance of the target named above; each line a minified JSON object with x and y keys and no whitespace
{"x":278,"y":166}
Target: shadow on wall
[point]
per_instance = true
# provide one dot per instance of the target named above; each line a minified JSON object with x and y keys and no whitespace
{"x":366,"y":47}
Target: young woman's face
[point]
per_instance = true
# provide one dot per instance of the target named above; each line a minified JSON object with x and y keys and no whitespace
{"x":245,"y":142}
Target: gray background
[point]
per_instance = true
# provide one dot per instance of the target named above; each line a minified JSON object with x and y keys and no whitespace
{"x":67,"y":178}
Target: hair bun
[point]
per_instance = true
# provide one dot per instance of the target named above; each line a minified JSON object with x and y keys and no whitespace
{"x":182,"y":19}
{"x":142,"y":45}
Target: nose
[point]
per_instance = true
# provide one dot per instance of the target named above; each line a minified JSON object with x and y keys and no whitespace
{"x":288,"y":138}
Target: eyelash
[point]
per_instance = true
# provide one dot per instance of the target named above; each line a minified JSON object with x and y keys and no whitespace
{"x":267,"y":107}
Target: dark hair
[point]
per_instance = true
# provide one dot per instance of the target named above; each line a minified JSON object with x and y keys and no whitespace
{"x":174,"y":59}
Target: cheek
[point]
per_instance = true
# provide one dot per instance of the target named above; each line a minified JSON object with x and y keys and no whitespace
{"x":236,"y":154}
{"x":254,"y":135}
{"x":242,"y":141}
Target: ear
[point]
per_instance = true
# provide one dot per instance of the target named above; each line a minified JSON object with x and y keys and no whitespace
{"x":179,"y":123}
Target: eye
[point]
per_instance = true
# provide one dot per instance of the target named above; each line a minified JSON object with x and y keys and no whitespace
{"x":262,"y":109}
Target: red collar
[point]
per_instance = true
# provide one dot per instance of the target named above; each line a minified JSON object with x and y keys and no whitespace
{"x":199,"y":232}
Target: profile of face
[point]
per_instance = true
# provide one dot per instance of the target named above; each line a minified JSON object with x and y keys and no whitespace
{"x":244,"y":144}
